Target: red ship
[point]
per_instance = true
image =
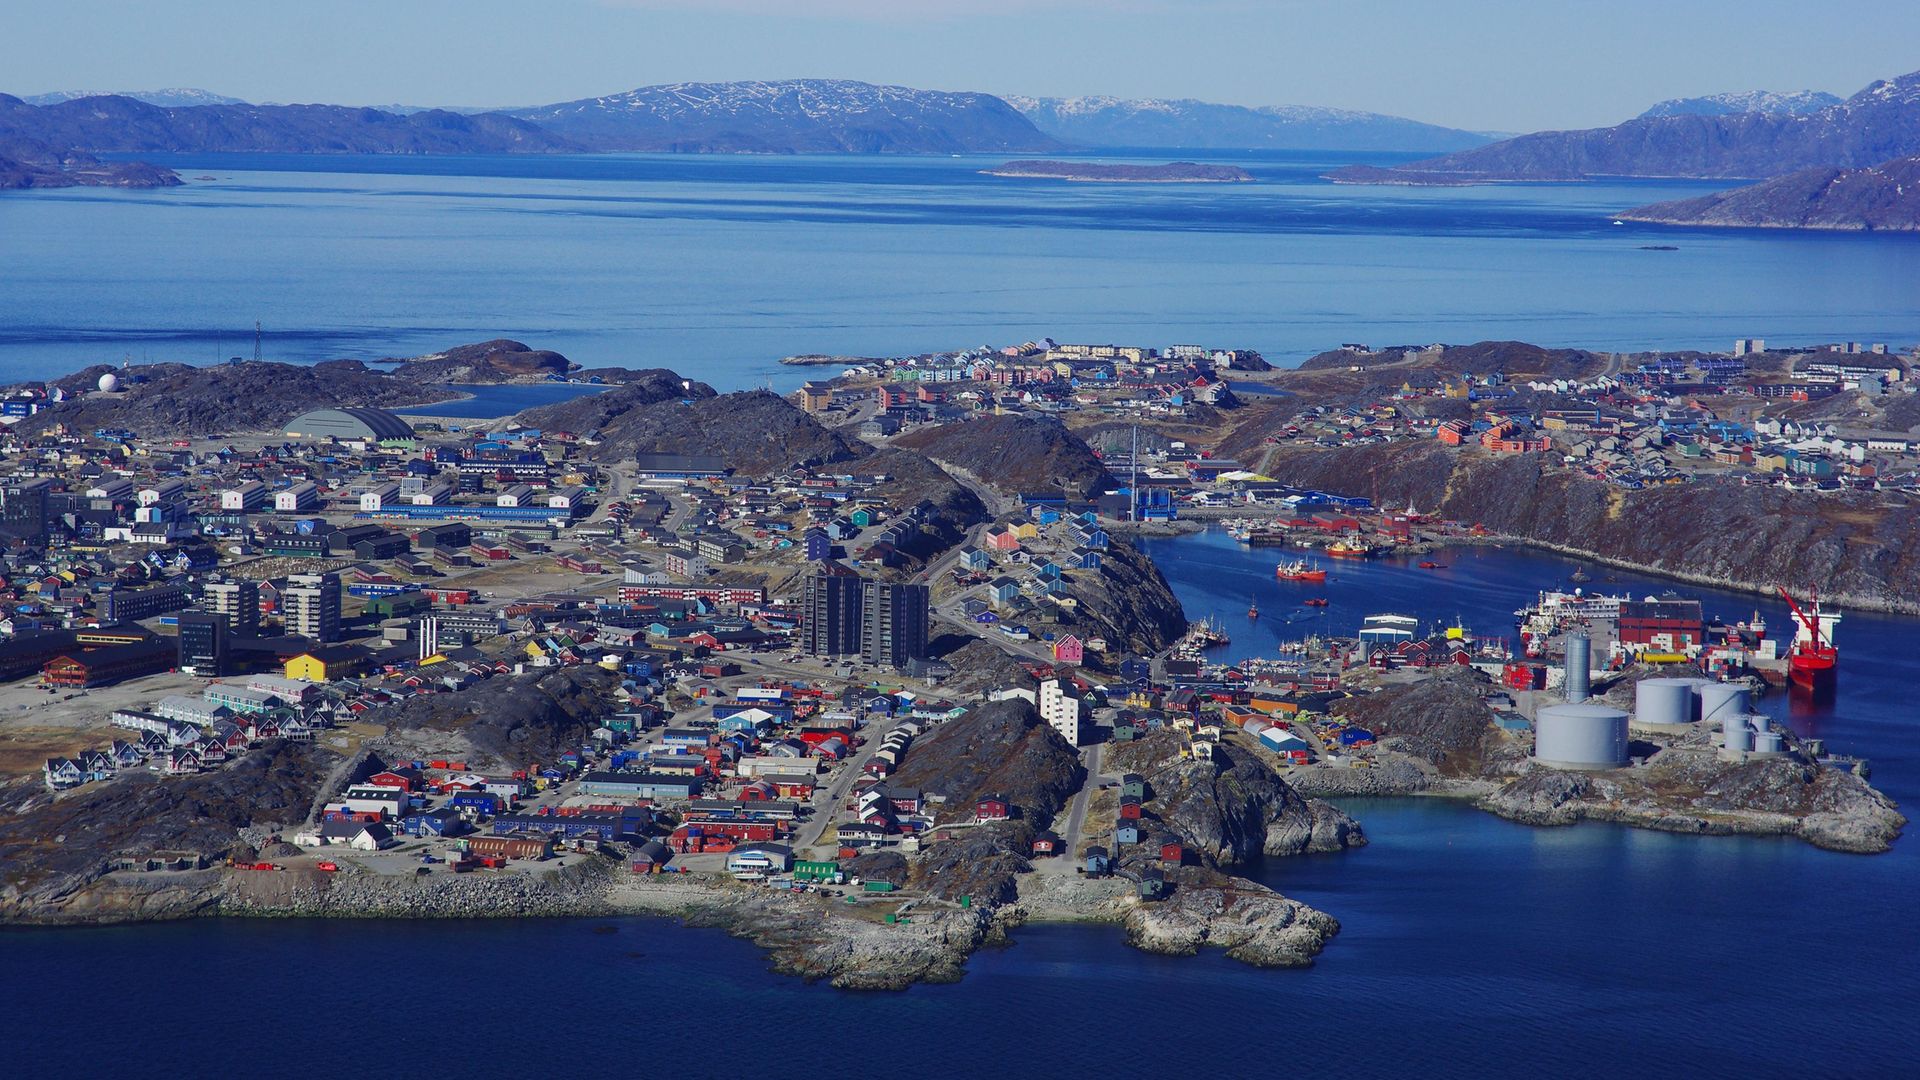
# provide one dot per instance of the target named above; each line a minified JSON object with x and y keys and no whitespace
{"x":1812,"y":660}
{"x":1299,"y":570}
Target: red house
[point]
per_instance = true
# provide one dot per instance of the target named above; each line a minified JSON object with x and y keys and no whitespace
{"x":1130,"y":810}
{"x":1171,"y":852}
{"x":406,"y":778}
{"x":992,"y":808}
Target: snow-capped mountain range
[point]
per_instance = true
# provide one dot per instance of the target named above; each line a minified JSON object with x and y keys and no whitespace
{"x":1779,"y":103}
{"x":171,"y":98}
{"x":792,"y":116}
{"x":1186,"y":124}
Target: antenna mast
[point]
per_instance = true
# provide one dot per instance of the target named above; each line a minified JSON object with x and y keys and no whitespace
{"x":256,"y":341}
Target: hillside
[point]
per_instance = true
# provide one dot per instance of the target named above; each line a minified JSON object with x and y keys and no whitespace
{"x":1877,"y":124}
{"x":794,"y":116}
{"x":1014,"y":454}
{"x":233,"y":397}
{"x":1198,"y":125}
{"x":1884,"y":198}
{"x":1847,"y":546}
{"x":755,"y":432}
{"x":997,"y":749}
{"x":81,"y":170}
{"x":123,"y":125}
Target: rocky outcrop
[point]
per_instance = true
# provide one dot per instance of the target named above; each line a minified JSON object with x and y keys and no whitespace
{"x":81,"y":170}
{"x":1232,"y":807}
{"x":1015,"y":454}
{"x":1127,"y":601}
{"x":504,"y":722}
{"x":496,"y":361}
{"x":1254,"y":924}
{"x":1001,"y":748}
{"x":755,"y":432}
{"x":177,"y":399}
{"x":57,"y":853}
{"x":1882,"y":198}
{"x":1690,"y":790}
{"x":1443,"y":721}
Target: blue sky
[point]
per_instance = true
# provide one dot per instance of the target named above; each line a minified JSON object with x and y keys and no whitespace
{"x":1513,"y":65}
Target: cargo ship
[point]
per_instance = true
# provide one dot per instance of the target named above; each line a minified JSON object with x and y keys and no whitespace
{"x":1299,"y":570}
{"x":1813,"y":659}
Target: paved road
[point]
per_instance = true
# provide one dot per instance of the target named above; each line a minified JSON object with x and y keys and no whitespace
{"x":1077,"y":809}
{"x":826,"y":803}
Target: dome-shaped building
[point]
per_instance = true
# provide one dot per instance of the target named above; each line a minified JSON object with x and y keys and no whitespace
{"x":352,"y":424}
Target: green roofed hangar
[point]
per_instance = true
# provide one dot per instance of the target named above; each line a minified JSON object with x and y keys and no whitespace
{"x":352,"y":425}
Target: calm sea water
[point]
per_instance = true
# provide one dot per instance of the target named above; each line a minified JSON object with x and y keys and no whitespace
{"x":1471,"y":947}
{"x":492,"y":402}
{"x":718,"y":266}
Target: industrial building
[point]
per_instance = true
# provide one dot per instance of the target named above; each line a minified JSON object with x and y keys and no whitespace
{"x":377,"y":426}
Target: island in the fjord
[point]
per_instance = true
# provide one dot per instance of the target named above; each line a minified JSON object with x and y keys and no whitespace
{"x":1882,"y":198}
{"x":1173,"y":172}
{"x":874,"y":674}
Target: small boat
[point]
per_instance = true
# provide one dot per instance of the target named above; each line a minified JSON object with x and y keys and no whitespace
{"x":1299,"y":570}
{"x":1578,"y":576}
{"x":1317,"y":601}
{"x":1253,"y":610}
{"x":1429,"y":565}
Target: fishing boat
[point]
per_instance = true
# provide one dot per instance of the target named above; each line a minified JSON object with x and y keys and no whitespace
{"x":1350,"y":549}
{"x":1299,"y":570}
{"x":1579,"y":576}
{"x":1253,"y":609}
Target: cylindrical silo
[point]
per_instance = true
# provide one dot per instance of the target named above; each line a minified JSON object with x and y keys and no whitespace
{"x":1663,"y":703}
{"x":1769,"y":742}
{"x":1738,"y":736}
{"x":1584,"y":736}
{"x":1579,"y":668}
{"x":1720,"y":700}
{"x":1760,"y":724}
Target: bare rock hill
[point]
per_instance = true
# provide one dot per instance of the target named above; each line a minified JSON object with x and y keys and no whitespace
{"x":1000,"y":748}
{"x":1015,"y":454}
{"x":246,"y":396}
{"x":499,"y":360}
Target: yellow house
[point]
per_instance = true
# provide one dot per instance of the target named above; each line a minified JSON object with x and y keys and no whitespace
{"x":1026,"y":530}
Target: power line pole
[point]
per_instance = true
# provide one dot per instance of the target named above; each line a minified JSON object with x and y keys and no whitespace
{"x":256,"y":341}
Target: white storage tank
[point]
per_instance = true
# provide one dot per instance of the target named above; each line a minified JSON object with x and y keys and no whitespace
{"x":1737,"y":735}
{"x":1584,"y":736}
{"x":1579,"y":668}
{"x":1769,"y":742}
{"x":1720,"y":700}
{"x":1663,"y":703}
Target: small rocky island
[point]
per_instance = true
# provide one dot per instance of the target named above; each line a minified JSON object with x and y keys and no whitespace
{"x":1096,"y":172}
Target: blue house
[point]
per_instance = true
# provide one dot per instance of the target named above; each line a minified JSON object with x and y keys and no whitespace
{"x":1127,"y":832}
{"x":485,"y":803}
{"x":445,"y":821}
{"x":819,"y":545}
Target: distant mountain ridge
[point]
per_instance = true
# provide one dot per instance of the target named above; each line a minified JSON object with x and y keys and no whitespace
{"x":1186,"y":124}
{"x":173,"y":97}
{"x":1884,"y":198}
{"x":123,"y":125}
{"x":792,"y":116}
{"x":1877,"y":124}
{"x":1732,"y":103}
